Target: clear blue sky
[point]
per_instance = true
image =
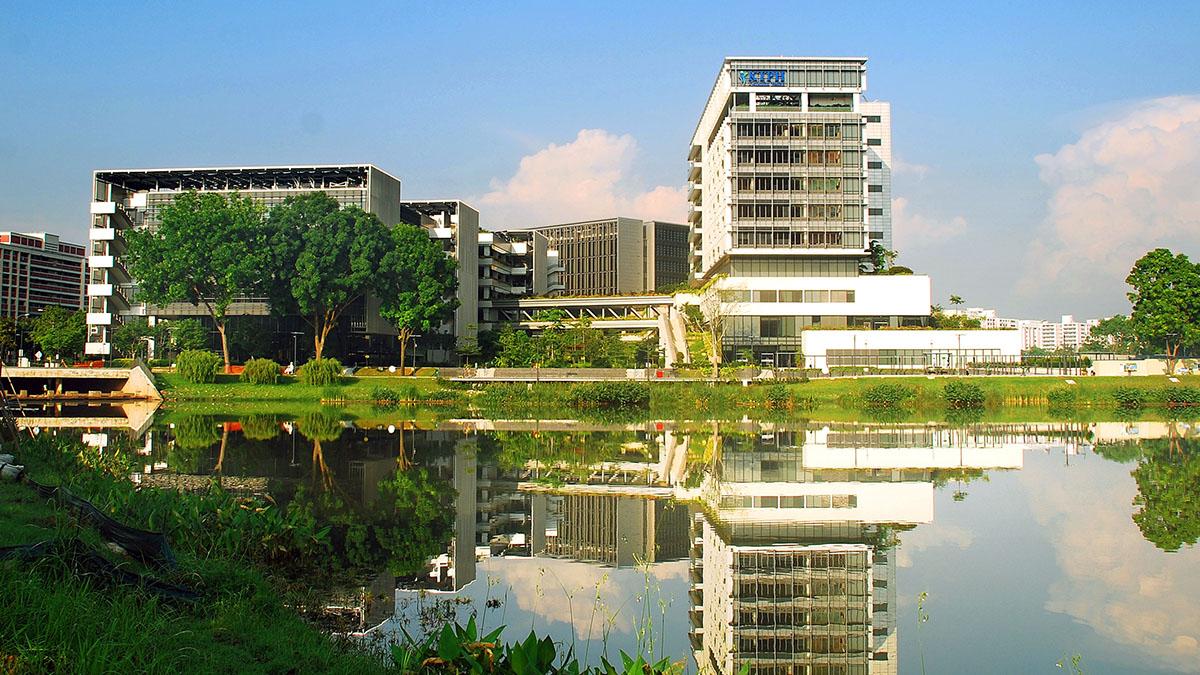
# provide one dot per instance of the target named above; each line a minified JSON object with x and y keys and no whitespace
{"x":450,"y":99}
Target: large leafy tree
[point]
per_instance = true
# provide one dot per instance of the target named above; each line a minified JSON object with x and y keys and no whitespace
{"x":1166,"y":302}
{"x":1114,"y":334}
{"x":208,"y":250}
{"x":416,"y":284}
{"x":324,"y":259}
{"x":59,"y":331}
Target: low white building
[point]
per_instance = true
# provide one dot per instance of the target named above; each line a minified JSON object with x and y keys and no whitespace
{"x":908,"y":349}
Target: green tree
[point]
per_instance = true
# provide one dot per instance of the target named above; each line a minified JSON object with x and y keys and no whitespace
{"x":128,"y":339}
{"x":10,"y":336}
{"x":59,"y":331}
{"x":1114,"y":334}
{"x":207,"y":250}
{"x":1166,"y":302}
{"x":416,"y":284}
{"x":880,"y":260}
{"x":324,"y":259}
{"x":187,"y":334}
{"x":956,"y":300}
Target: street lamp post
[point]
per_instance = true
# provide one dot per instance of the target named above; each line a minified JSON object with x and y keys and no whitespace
{"x":414,"y":354}
{"x":295,"y":335}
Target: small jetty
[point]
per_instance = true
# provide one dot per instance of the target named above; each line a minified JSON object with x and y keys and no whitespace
{"x":80,"y":384}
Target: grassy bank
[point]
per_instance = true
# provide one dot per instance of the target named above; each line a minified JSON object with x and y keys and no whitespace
{"x":289,"y":390}
{"x":835,"y":398}
{"x":53,"y":618}
{"x":839,"y":397}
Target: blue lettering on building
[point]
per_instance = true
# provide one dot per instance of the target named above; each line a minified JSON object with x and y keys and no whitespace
{"x":761,"y":78}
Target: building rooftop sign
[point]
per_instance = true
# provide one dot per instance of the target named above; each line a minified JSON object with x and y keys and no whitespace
{"x":761,"y":78}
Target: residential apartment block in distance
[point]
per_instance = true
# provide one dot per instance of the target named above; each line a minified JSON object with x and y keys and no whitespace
{"x":39,"y":271}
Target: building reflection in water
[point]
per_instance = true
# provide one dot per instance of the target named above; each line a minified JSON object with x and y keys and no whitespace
{"x":794,"y":568}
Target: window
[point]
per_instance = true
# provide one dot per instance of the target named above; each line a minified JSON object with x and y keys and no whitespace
{"x":841,"y":296}
{"x":816,"y":296}
{"x":770,"y":326}
{"x":873,"y":119}
{"x":874,"y":212}
{"x":874,"y":141}
{"x":791,"y":296}
{"x":874,"y":188}
{"x":764,"y":296}
{"x":874,"y":165}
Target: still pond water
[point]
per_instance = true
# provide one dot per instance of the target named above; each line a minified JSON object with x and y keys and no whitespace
{"x":786,"y":547}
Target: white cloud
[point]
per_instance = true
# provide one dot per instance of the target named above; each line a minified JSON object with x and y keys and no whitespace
{"x":903,"y":168}
{"x":918,"y":230}
{"x":589,"y":177}
{"x":1126,"y":186}
{"x":1112,"y":579}
{"x":932,"y":536}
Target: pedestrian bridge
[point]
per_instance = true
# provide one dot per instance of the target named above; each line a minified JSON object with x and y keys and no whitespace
{"x":609,"y":312}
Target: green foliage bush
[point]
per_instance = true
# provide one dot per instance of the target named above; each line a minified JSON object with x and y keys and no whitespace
{"x":886,"y":395}
{"x":962,"y":395}
{"x":320,"y":372}
{"x":1062,"y":397}
{"x":778,"y":396}
{"x":384,"y":396}
{"x":260,"y":371}
{"x":198,"y":366}
{"x":610,"y":395}
{"x":1182,"y":397}
{"x":1130,"y":398}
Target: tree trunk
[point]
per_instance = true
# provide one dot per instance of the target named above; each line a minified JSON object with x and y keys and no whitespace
{"x":224,"y":343}
{"x":403,"y":461}
{"x":1172,"y":358}
{"x":404,"y":336}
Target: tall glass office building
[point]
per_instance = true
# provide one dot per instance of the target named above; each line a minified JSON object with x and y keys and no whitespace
{"x":790,"y":183}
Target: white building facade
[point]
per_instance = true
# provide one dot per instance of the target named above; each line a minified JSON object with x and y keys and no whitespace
{"x":790,"y":183}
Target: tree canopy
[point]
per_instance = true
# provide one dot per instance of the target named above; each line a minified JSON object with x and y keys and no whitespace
{"x":207,"y":250}
{"x":416,"y":284}
{"x":59,"y":331}
{"x":1166,"y":302}
{"x":325,"y":258}
{"x":1114,"y":334}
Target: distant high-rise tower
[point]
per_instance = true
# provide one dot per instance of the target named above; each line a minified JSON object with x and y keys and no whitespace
{"x":790,"y":183}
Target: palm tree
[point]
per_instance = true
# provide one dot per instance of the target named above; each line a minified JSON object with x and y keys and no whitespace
{"x":956,"y":300}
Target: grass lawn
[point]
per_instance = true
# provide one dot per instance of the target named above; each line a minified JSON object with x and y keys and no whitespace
{"x":227,"y":387}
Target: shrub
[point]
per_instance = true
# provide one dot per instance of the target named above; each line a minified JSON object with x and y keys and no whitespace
{"x":962,"y":395}
{"x":1062,"y":397}
{"x":198,"y":366}
{"x":1129,"y":398}
{"x":1182,"y":397}
{"x":320,"y":372}
{"x":886,"y":395}
{"x":609,"y":395}
{"x":384,"y":396}
{"x":778,"y":396}
{"x":260,"y":371}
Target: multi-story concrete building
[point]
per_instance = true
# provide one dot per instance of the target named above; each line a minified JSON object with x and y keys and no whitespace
{"x":39,"y":271}
{"x":124,"y":199}
{"x":617,"y":256}
{"x":513,"y":265}
{"x":790,"y":181}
